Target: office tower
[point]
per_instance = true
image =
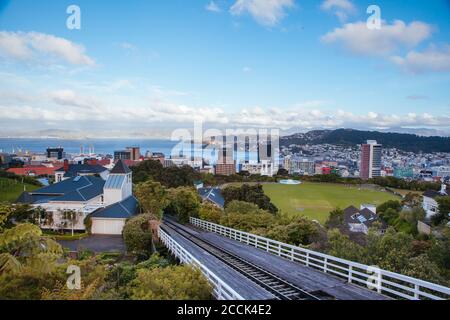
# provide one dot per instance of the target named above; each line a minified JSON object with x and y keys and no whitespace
{"x":370,"y":166}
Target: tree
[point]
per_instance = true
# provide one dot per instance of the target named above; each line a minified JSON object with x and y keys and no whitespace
{"x":444,"y":210}
{"x":184,"y":202}
{"x":412,"y":199}
{"x":152,"y":197}
{"x":210,"y":212}
{"x":242,"y":207}
{"x":253,"y":194}
{"x":391,"y":204}
{"x":137,"y":235}
{"x":299,"y":231}
{"x":6,"y":211}
{"x":171,"y":177}
{"x":421,"y":267}
{"x":342,"y":247}
{"x":390,"y":215}
{"x":390,"y":251}
{"x":335,"y":219}
{"x":28,"y":262}
{"x":172,"y":283}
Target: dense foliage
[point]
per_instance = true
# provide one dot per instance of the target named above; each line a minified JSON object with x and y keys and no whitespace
{"x":138,"y":236}
{"x":184,"y":202}
{"x":249,"y":193}
{"x":33,"y":267}
{"x":170,"y":177}
{"x":443,"y":216}
{"x":152,"y":197}
{"x":170,"y":283}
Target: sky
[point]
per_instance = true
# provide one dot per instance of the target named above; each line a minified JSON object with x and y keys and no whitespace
{"x":144,"y":68}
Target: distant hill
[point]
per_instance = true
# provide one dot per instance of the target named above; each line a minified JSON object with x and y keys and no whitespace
{"x":351,"y":137}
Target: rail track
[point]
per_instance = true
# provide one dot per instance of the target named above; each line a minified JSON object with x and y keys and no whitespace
{"x":280,"y":288}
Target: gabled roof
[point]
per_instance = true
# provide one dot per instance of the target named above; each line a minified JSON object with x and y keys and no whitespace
{"x":212,"y":194}
{"x":120,"y":210}
{"x":80,"y":188}
{"x":120,"y":168}
{"x":432,"y":194}
{"x":114,"y":181}
{"x":77,"y":169}
{"x":364,"y":216}
{"x":350,"y":210}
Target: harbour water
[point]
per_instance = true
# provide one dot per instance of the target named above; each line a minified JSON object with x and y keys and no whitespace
{"x":108,"y":146}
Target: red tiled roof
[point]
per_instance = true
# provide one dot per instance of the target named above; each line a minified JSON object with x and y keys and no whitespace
{"x":33,"y":170}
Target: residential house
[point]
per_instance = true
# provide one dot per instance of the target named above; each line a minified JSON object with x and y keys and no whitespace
{"x":69,"y":202}
{"x":360,"y":220}
{"x":70,"y":170}
{"x":429,"y":202}
{"x":212,"y":195}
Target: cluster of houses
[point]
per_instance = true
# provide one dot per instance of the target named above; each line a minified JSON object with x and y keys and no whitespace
{"x":86,"y":190}
{"x":90,"y":190}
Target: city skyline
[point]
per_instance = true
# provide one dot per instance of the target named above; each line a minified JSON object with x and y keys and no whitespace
{"x":146,"y":68}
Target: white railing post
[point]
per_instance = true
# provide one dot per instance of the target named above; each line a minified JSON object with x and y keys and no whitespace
{"x":350,"y":274}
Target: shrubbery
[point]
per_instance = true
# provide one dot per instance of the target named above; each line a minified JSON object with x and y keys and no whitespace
{"x":138,"y":236}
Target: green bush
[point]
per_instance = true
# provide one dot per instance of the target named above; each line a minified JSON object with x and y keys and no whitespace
{"x":137,"y":235}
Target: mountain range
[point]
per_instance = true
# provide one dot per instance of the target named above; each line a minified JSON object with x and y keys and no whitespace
{"x":351,"y":137}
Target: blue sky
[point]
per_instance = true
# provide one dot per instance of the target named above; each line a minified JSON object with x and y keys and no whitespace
{"x":146,"y":67}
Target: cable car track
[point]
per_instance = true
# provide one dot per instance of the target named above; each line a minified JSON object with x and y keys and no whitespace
{"x":280,"y":288}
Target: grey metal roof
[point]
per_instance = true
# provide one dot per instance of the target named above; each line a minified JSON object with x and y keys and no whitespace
{"x":114,"y":181}
{"x":121,"y":210}
{"x":120,"y":168}
{"x":212,"y":194}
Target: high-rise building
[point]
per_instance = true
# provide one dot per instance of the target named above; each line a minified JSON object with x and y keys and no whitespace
{"x":135,"y":153}
{"x":370,"y":166}
{"x":55,"y":153}
{"x":225,"y":165}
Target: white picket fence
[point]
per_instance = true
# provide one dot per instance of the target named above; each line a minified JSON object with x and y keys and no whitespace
{"x":384,"y":282}
{"x":221,"y":290}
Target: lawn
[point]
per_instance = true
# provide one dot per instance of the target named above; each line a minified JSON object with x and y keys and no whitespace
{"x":316,"y":200}
{"x":11,"y":189}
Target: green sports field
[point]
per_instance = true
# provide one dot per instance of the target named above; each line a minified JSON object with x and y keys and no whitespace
{"x":316,"y":200}
{"x":11,"y":189}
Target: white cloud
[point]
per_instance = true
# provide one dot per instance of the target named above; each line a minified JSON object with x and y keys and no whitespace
{"x":128,"y":46}
{"x":173,"y":115}
{"x":265,"y":12}
{"x":213,"y":7}
{"x":246,"y":69}
{"x":39,"y":47}
{"x":341,"y":8}
{"x":69,"y":98}
{"x":433,"y":59}
{"x":357,"y":38}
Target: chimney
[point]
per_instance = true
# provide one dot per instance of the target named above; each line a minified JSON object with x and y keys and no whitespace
{"x":66,"y":165}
